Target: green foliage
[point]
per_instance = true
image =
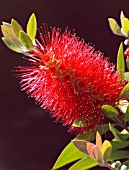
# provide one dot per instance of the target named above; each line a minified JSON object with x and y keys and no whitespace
{"x":114,"y":27}
{"x":120,"y":61}
{"x":16,"y":39}
{"x":126,"y":163}
{"x":119,"y":145}
{"x":9,"y":35}
{"x":119,"y":154}
{"x":122,"y":16}
{"x":125,"y":25}
{"x":84,"y":164}
{"x":12,"y":46}
{"x":26,"y":41}
{"x":81,"y":145}
{"x":106,"y":150}
{"x":125,"y":92}
{"x":32,"y":27}
{"x":68,"y":155}
{"x":126,"y":76}
{"x":116,"y":133}
{"x":127,"y":114}
{"x":79,"y":123}
{"x":16,"y":28}
{"x":109,"y":111}
{"x":97,"y":155}
{"x":91,"y":135}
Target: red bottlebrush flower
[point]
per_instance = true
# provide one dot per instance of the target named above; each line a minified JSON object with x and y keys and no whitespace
{"x":68,"y":78}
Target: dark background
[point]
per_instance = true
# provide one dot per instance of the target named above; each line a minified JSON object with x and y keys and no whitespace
{"x":29,"y":138}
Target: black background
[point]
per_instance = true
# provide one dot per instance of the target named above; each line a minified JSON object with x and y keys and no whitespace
{"x":29,"y":138}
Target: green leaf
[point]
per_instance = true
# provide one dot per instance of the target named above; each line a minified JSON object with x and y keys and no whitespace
{"x":125,"y":91}
{"x":122,"y":16}
{"x":119,"y":145}
{"x":6,"y":24}
{"x":68,"y":155}
{"x":83,"y":164}
{"x":126,"y":163}
{"x":114,"y":27}
{"x":126,"y":76}
{"x":26,"y":41}
{"x":120,"y":60}
{"x":127,"y":114}
{"x":16,"y":28}
{"x":12,"y":46}
{"x":124,"y":134}
{"x":109,"y":111}
{"x":97,"y":155}
{"x":115,"y":133}
{"x":79,"y":123}
{"x":119,"y":154}
{"x":9,"y":35}
{"x":32,"y":27}
{"x":125,"y":25}
{"x":87,"y":135}
{"x":106,"y":150}
{"x":81,"y":145}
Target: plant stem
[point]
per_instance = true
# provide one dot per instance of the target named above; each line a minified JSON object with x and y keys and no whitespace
{"x":109,"y":166}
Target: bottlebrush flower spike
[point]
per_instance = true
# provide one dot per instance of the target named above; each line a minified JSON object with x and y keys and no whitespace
{"x":66,"y":76}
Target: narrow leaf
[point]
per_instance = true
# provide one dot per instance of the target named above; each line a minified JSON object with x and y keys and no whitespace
{"x":79,"y":123}
{"x":6,"y":24}
{"x":98,"y":140}
{"x":109,"y":111}
{"x":126,"y":76}
{"x":125,"y":91}
{"x":114,"y":27}
{"x":26,"y":41}
{"x":83,"y":164}
{"x":125,"y":25}
{"x":81,"y":145}
{"x":119,"y":145}
{"x":127,"y":113}
{"x":122,"y":16}
{"x":91,"y":136}
{"x":16,"y":28}
{"x":97,"y":155}
{"x":126,"y":163}
{"x":9,"y":35}
{"x":68,"y":155}
{"x":124,"y":134}
{"x":32,"y":27}
{"x":119,"y":154}
{"x":115,"y":133}
{"x":12,"y":46}
{"x":120,"y":60}
{"x":90,"y":147}
{"x":106,"y":150}
{"x":5,"y":33}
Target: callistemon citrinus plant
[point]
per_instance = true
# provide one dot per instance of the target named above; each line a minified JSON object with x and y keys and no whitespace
{"x":66,"y":76}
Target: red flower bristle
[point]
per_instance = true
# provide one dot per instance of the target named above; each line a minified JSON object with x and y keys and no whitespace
{"x":69,"y":79}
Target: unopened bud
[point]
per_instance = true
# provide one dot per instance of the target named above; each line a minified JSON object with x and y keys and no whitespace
{"x":126,"y":42}
{"x":123,"y":167}
{"x":118,"y":164}
{"x":113,"y":165}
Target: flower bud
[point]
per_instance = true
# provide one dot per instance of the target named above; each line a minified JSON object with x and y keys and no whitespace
{"x":123,"y":167}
